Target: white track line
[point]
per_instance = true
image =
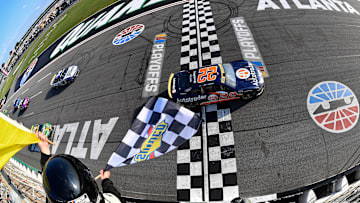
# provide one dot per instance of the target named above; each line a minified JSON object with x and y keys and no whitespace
{"x":44,"y":77}
{"x":25,"y":91}
{"x":30,"y":114}
{"x":36,"y":95}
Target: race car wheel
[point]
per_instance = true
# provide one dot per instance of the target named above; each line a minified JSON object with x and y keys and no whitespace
{"x":260,"y":91}
{"x":248,"y":95}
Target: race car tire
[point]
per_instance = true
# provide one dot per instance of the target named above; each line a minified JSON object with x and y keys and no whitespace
{"x":261,"y":91}
{"x":248,"y":95}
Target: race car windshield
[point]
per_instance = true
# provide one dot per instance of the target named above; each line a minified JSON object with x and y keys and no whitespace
{"x":59,"y":75}
{"x":230,"y":79}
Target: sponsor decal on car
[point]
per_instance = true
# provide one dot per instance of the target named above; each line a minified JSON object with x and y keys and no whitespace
{"x":221,"y":97}
{"x":128,"y":34}
{"x":152,"y":143}
{"x":28,"y":72}
{"x":153,"y":74}
{"x":249,"y":49}
{"x":327,"y":5}
{"x":253,"y":76}
{"x":191,"y":99}
{"x":333,"y":106}
{"x":213,"y":97}
{"x":243,"y":73}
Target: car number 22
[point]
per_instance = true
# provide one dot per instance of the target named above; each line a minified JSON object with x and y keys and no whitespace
{"x":207,"y":74}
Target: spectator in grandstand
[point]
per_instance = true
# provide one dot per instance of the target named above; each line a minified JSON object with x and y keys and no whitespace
{"x":67,"y":179}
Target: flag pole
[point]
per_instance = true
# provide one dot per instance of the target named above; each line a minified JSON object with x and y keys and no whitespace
{"x":50,"y":142}
{"x":97,"y":177}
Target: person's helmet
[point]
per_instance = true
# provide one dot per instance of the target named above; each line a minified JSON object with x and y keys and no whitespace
{"x":65,"y":179}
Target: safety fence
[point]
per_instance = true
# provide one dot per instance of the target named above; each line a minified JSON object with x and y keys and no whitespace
{"x":26,"y":180}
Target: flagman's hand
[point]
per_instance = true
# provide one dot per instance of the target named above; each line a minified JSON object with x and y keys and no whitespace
{"x":43,"y":145}
{"x":104,"y":174}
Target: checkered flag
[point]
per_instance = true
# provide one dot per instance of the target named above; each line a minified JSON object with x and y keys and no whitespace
{"x":160,"y":127}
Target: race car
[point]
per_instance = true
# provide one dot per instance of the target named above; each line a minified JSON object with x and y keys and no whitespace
{"x":17,"y":103}
{"x":216,"y":83}
{"x":65,"y":76}
{"x":47,"y":129}
{"x":24,"y":103}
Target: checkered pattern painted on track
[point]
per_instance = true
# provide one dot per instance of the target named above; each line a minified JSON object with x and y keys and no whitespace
{"x":206,"y":169}
{"x":210,"y":48}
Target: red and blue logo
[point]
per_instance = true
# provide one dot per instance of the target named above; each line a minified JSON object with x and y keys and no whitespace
{"x":160,"y":38}
{"x":333,"y":106}
{"x":128,"y":34}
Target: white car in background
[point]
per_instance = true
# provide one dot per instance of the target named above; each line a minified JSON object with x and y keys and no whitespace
{"x":65,"y":76}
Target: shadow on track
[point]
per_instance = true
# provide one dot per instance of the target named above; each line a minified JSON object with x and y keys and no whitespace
{"x":53,"y":92}
{"x":236,"y":104}
{"x":21,"y":112}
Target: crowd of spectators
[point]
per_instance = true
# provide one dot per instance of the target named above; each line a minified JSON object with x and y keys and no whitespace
{"x":57,"y":7}
{"x":4,"y":193}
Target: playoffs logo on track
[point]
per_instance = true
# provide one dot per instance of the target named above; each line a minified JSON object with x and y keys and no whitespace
{"x":333,"y":106}
{"x":128,"y":34}
{"x":28,"y":72}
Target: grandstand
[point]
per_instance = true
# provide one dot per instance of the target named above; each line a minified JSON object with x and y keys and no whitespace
{"x":24,"y":181}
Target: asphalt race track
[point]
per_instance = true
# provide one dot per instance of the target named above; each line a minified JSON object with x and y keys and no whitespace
{"x":278,"y":146}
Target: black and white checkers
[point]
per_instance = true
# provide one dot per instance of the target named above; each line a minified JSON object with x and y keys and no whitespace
{"x":222,"y":162}
{"x":160,"y":127}
{"x":206,"y":164}
{"x":198,"y":22}
{"x":190,"y":177}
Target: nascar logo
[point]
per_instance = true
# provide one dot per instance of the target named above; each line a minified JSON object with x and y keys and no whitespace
{"x":128,"y":34}
{"x":333,"y":106}
{"x":152,"y":143}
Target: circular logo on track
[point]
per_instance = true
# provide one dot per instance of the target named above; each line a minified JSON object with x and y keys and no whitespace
{"x":333,"y":106}
{"x":28,"y":72}
{"x":243,"y":73}
{"x":128,"y":34}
